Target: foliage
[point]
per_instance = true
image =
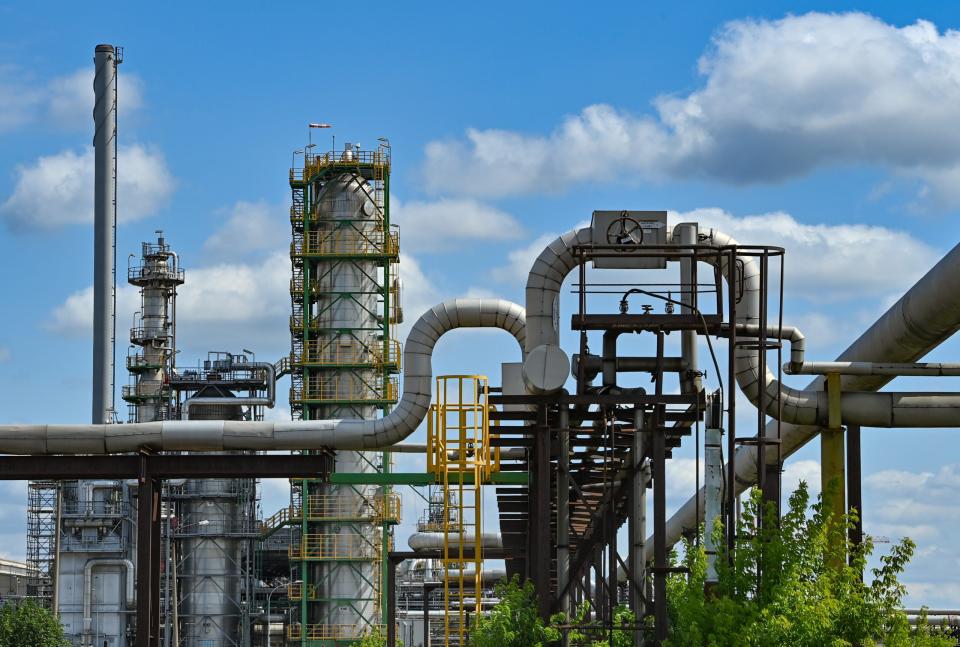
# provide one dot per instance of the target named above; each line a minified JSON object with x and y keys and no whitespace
{"x":591,"y":634}
{"x":513,"y":621}
{"x":809,"y":596}
{"x":376,"y":638}
{"x":28,"y":623}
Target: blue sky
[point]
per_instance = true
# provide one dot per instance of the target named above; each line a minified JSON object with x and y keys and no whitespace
{"x":833,"y":134}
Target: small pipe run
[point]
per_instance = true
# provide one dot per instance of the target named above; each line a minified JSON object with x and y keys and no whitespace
{"x":889,"y":369}
{"x":88,"y":590}
{"x":428,"y":541}
{"x":268,"y":401}
{"x":226,"y":435}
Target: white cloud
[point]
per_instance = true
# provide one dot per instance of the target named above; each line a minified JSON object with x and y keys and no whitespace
{"x":419,"y":293}
{"x":57,"y":189}
{"x":64,"y":102}
{"x":70,"y":98}
{"x":779,"y":98}
{"x":442,"y":225}
{"x":519,"y":261}
{"x":249,"y":227}
{"x":219,"y":307}
{"x":823,"y":262}
{"x":828,"y":262}
{"x":807,"y":471}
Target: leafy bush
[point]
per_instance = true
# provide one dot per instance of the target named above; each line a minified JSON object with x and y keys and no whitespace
{"x":30,"y":625}
{"x":808,"y":595}
{"x":513,"y":621}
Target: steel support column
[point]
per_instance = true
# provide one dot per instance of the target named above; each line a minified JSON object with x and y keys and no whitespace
{"x":854,"y":492}
{"x":540,"y":517}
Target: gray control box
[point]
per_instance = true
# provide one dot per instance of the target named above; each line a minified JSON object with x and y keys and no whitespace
{"x":630,"y":229}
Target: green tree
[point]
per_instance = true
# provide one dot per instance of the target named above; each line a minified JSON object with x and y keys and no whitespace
{"x":376,"y":638}
{"x":29,"y":625}
{"x":513,"y":621}
{"x":807,"y":595}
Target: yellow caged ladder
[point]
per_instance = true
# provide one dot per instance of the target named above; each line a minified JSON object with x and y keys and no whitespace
{"x":458,"y":438}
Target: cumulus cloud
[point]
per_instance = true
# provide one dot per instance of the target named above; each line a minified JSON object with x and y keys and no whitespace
{"x":249,"y":227}
{"x":829,"y":262}
{"x":442,"y":225}
{"x":778,"y":99}
{"x":519,"y":261}
{"x":921,"y":505}
{"x":57,"y":189}
{"x":223,"y":306}
{"x":63,"y":102}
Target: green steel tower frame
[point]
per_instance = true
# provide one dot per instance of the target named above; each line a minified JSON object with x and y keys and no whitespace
{"x":342,"y":372}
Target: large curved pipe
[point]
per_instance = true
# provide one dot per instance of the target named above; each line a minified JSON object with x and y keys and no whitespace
{"x":217,"y":435}
{"x":802,"y":407}
{"x":921,"y":320}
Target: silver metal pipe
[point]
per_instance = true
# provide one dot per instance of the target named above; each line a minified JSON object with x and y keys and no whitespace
{"x":873,"y":368}
{"x":104,"y":200}
{"x":225,"y":435}
{"x":427,"y":541}
{"x":88,"y":590}
{"x":690,"y":381}
{"x":923,"y":318}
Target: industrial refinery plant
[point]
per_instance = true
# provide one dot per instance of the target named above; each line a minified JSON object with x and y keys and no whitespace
{"x":638,"y":335}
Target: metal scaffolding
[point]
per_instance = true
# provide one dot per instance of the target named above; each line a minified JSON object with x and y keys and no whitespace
{"x":345,"y":301}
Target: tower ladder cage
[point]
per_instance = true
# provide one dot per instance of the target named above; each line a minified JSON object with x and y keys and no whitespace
{"x":459,"y":453}
{"x":343,"y":360}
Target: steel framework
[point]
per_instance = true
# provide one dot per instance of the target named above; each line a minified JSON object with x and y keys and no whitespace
{"x":345,"y":301}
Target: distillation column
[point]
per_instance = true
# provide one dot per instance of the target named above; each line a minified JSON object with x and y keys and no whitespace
{"x":343,"y":357}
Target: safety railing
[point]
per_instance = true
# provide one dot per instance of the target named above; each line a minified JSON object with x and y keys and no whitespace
{"x":332,"y":632}
{"x":350,"y":351}
{"x":138,"y":362}
{"x":348,"y":242}
{"x":295,"y":591}
{"x":277,"y":520}
{"x":333,"y":547}
{"x":145,"y":390}
{"x":139,"y":274}
{"x":346,"y":388}
{"x":140,"y":335}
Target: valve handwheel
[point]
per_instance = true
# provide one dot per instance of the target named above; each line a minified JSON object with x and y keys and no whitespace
{"x":625,"y":230}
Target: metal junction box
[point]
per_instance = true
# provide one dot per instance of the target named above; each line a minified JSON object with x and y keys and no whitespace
{"x":629,"y":229}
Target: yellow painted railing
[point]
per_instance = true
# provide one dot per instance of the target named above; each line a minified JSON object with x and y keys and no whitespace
{"x":348,"y":242}
{"x":346,"y":388}
{"x":343,"y":546}
{"x":350,"y":351}
{"x":332,"y":632}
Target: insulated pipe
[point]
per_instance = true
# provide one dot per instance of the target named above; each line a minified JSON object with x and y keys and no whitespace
{"x":427,"y":541}
{"x":225,"y":435}
{"x":250,"y":402}
{"x":104,"y":205}
{"x":88,"y":589}
{"x":921,"y":320}
{"x":872,"y":368}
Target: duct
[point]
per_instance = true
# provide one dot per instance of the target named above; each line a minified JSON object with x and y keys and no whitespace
{"x":104,"y":200}
{"x":429,"y":541}
{"x":88,"y":588}
{"x":218,"y":435}
{"x":268,"y":401}
{"x":916,"y":324}
{"x":872,"y":368}
{"x":781,"y":401}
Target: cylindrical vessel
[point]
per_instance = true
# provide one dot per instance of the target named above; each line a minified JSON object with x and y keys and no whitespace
{"x":215,"y":521}
{"x":345,"y":209}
